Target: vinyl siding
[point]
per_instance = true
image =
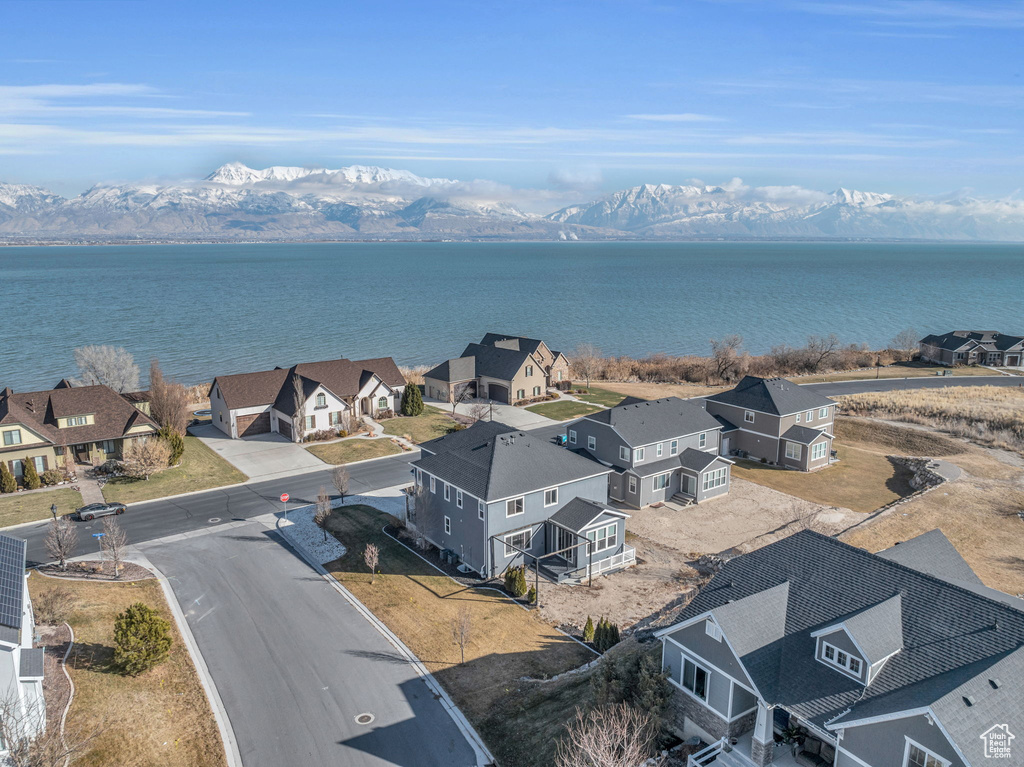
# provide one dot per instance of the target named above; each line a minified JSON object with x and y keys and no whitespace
{"x":883,"y":744}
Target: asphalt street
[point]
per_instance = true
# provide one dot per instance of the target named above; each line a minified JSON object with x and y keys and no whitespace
{"x":157,"y":519}
{"x":295,"y":663}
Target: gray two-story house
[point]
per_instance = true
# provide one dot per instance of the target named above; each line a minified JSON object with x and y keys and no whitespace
{"x":898,"y":659}
{"x":973,"y":347}
{"x":497,"y":497}
{"x":657,"y":450}
{"x":776,"y":420}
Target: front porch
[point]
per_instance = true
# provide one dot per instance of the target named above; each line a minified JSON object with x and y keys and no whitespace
{"x":723,"y":754}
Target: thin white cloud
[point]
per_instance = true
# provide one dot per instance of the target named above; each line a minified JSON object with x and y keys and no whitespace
{"x":925,"y":13}
{"x":684,"y":117}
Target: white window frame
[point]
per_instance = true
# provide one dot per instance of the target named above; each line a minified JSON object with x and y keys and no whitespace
{"x":604,"y":537}
{"x":799,"y":451}
{"x":842,"y":665}
{"x":638,"y":454}
{"x":928,"y":753}
{"x":623,"y":453}
{"x":658,"y":477}
{"x":419,"y":477}
{"x":713,"y":630}
{"x":658,"y":450}
{"x":40,"y":464}
{"x":748,"y":416}
{"x":591,"y":442}
{"x":711,"y":480}
{"x":819,"y":451}
{"x":529,"y":370}
{"x":554,"y":498}
{"x":447,"y":525}
{"x":14,"y":435}
{"x":382,"y":403}
{"x":823,"y":412}
{"x":702,"y":440}
{"x":572,"y":436}
{"x":480,"y":509}
{"x":798,"y":417}
{"x":632,"y":485}
{"x":514,"y":502}
{"x":536,"y":391}
{"x":809,"y":416}
{"x":673,"y":448}
{"x":321,"y":400}
{"x":520,"y":393}
{"x":433,"y":484}
{"x":697,"y":666}
{"x":447,"y":491}
{"x":458,"y":498}
{"x":527,"y":534}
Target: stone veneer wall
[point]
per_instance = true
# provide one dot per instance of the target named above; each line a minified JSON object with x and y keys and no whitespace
{"x":682,"y":707}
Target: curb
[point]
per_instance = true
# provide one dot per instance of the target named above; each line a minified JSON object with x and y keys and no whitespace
{"x":483,"y":755}
{"x":220,"y":714}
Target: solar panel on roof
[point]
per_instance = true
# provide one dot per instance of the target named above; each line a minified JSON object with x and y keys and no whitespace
{"x":12,"y":580}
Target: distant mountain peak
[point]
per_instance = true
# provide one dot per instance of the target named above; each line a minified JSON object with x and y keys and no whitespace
{"x":239,"y":174}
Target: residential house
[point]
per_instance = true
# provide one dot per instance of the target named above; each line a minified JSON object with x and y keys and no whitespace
{"x":92,"y":423}
{"x":498,"y":497}
{"x":973,"y":347}
{"x":657,"y":450}
{"x":21,"y":665}
{"x":333,"y":395}
{"x":775,"y":420}
{"x":501,"y":368}
{"x":897,"y":659}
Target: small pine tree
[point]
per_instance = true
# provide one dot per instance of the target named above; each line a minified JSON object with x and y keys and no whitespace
{"x":142,"y":639}
{"x":588,"y":630}
{"x":175,"y":443}
{"x":531,"y":595}
{"x":599,"y":633}
{"x":8,"y":484}
{"x":30,"y":477}
{"x":510,"y":579}
{"x":412,"y":400}
{"x":520,"y":588}
{"x":613,"y":634}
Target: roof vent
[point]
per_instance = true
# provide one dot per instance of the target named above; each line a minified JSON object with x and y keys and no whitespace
{"x":996,"y":684}
{"x":968,"y":700}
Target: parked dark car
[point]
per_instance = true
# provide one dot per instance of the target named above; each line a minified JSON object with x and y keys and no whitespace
{"x":94,"y":510}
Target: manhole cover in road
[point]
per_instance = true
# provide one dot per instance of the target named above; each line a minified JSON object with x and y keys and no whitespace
{"x":364,"y":718}
{"x":214,"y":520}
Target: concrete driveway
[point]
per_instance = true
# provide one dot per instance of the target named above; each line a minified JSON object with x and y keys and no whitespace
{"x":295,"y":664}
{"x":516,"y":417}
{"x":263,"y":456}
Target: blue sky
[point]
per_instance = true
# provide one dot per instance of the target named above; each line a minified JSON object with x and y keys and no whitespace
{"x":906,"y":97}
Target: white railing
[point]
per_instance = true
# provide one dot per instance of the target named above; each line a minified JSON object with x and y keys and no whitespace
{"x":706,"y":755}
{"x":614,"y":562}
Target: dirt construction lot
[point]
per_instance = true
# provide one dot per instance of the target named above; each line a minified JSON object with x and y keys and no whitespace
{"x":668,"y":538}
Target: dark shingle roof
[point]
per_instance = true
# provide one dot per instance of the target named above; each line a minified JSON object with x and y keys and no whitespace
{"x":696,"y":460}
{"x":641,"y":423}
{"x":459,"y":369}
{"x":727,"y":425}
{"x":655,"y":467}
{"x":478,"y":432}
{"x":494,"y":466}
{"x":12,"y":581}
{"x":948,"y":632}
{"x":877,"y":630}
{"x":31,"y":662}
{"x":112,"y":414}
{"x":518,"y":343}
{"x":802,"y":434}
{"x":580,"y":512}
{"x":776,"y":396}
{"x":495,"y":362}
{"x":990,"y":339}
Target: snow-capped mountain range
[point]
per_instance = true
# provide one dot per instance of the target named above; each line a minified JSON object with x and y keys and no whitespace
{"x":359,"y":202}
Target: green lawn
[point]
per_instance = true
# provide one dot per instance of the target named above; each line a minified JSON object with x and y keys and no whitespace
{"x":356,"y":449}
{"x":563,"y":410}
{"x":604,"y":397}
{"x":200,"y":469}
{"x":433,"y":423}
{"x":506,"y":642}
{"x":861,"y":481}
{"x":31,"y":507}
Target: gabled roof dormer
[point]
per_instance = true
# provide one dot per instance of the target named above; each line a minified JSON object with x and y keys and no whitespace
{"x":860,"y":644}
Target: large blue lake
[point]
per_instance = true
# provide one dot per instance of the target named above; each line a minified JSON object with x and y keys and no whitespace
{"x":205,"y":310}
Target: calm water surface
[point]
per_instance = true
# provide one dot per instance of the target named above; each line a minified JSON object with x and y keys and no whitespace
{"x":205,"y":310}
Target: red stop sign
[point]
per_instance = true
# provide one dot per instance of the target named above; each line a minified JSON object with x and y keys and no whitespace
{"x":284,"y":497}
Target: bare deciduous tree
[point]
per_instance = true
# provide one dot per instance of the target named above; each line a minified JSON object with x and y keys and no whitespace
{"x":479,"y":411}
{"x":340,"y":479}
{"x":143,"y":458}
{"x":299,"y":404}
{"x":725,"y":354}
{"x":113,"y":367}
{"x":462,"y":628}
{"x":608,"y":736}
{"x":459,"y":394}
{"x":61,"y":540}
{"x":906,"y":342}
{"x":323,"y":510}
{"x":168,"y":401}
{"x":114,"y":542}
{"x":29,"y":746}
{"x":820,"y":349}
{"x":584,"y":362}
{"x":371,"y":556}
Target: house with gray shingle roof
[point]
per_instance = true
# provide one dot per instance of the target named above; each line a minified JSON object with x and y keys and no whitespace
{"x":497,"y":497}
{"x":333,"y":394}
{"x":775,"y":420}
{"x":502,"y":368}
{"x":657,"y":450}
{"x":21,"y":664}
{"x":973,"y":347}
{"x":871,"y":660}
